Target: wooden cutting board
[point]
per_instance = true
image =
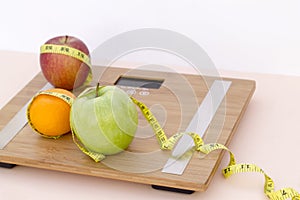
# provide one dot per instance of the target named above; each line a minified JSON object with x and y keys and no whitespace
{"x":174,"y":105}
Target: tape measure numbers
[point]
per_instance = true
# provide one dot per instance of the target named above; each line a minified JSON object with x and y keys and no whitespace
{"x":20,"y":119}
{"x":69,"y":100}
{"x":168,"y":144}
{"x":200,"y":122}
{"x":66,"y":50}
{"x":232,"y":167}
{"x":69,"y":51}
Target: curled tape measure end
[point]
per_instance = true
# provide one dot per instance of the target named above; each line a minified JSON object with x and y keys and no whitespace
{"x":232,"y":167}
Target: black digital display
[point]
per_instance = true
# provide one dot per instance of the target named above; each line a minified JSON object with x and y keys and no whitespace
{"x":139,"y":82}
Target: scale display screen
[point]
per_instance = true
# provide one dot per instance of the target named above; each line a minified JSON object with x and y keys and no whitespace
{"x":139,"y":82}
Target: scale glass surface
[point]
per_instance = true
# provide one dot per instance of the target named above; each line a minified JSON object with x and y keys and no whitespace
{"x":172,"y":103}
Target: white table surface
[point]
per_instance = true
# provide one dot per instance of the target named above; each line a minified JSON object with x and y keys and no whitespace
{"x":268,"y":136}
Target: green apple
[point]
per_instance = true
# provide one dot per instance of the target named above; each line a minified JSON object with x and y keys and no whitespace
{"x":104,"y":119}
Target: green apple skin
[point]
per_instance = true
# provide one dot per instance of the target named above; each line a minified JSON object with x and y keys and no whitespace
{"x":105,"y":124}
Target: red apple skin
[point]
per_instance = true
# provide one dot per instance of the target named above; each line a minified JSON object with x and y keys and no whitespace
{"x":64,"y":71}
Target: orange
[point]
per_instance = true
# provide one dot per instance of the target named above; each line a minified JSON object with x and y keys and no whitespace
{"x":48,"y":112}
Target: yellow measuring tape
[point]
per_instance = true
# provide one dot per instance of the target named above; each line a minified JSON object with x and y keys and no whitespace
{"x":66,"y":50}
{"x":69,"y":51}
{"x":164,"y":142}
{"x":232,"y":167}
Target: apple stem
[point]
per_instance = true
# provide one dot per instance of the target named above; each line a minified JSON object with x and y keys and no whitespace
{"x":66,"y":38}
{"x":97,"y":89}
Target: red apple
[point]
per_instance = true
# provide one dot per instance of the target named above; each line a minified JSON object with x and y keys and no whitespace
{"x":64,"y":71}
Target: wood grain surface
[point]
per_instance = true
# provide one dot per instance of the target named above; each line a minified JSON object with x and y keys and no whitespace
{"x":174,"y":105}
